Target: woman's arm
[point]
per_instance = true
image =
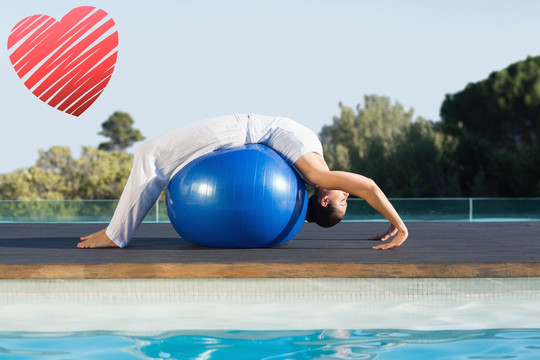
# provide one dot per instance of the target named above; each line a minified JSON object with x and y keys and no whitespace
{"x":314,"y":169}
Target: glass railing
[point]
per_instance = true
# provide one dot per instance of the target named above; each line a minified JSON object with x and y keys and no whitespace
{"x":69,"y":211}
{"x":436,"y":209}
{"x":452,"y":209}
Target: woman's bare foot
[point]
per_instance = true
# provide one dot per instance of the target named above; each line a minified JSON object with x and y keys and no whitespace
{"x":96,"y":240}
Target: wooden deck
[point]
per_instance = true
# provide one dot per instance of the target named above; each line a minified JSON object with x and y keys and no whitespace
{"x":433,"y":250}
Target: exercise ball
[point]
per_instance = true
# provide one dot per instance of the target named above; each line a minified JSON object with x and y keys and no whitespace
{"x":241,"y":197}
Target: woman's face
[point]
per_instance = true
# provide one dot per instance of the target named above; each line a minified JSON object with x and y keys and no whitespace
{"x":336,"y":198}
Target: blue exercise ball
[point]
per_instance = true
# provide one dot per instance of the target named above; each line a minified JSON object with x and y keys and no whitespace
{"x":241,"y":197}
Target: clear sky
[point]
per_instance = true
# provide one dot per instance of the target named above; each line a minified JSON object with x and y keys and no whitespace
{"x":183,"y":61}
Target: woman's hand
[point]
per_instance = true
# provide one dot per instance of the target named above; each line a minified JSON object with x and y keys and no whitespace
{"x":386,"y":235}
{"x":397,"y":241}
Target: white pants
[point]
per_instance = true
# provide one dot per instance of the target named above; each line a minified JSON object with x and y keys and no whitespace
{"x":158,"y":160}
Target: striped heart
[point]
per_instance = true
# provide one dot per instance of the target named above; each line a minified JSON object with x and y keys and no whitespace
{"x":65,"y":63}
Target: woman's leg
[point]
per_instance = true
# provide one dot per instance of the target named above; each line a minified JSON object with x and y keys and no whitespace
{"x":140,"y":193}
{"x":154,"y":164}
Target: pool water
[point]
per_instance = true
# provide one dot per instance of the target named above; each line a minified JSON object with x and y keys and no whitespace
{"x":297,"y":344}
{"x":207,"y":319}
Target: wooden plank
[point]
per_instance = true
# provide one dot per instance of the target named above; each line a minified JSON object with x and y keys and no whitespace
{"x":269,"y":270}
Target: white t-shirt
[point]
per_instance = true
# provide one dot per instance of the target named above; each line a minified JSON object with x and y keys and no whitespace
{"x":285,"y":136}
{"x":172,"y":151}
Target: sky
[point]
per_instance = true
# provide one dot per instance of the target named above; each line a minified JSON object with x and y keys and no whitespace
{"x":184,"y":61}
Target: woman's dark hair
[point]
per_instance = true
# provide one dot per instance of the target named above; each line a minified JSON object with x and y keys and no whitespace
{"x":325,"y":216}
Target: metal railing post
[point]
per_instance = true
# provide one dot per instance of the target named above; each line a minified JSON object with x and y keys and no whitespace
{"x":470,"y":210}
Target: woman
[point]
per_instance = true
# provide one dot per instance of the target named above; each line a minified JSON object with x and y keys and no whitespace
{"x":157,"y":161}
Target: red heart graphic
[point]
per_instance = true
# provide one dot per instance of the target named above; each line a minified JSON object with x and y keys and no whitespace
{"x":66,"y":64}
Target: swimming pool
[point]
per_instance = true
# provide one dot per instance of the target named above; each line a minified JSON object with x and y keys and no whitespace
{"x":320,"y":344}
{"x":270,"y":319}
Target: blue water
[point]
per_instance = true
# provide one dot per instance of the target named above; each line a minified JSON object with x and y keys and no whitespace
{"x":277,"y":345}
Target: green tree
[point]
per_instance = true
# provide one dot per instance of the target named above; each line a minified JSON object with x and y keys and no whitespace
{"x":97,"y":174}
{"x":48,"y":179}
{"x":382,"y":141}
{"x":497,"y":123}
{"x":351,"y":135}
{"x":119,"y":128}
{"x":503,"y":109}
{"x":101,"y":174}
{"x":56,"y":175}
